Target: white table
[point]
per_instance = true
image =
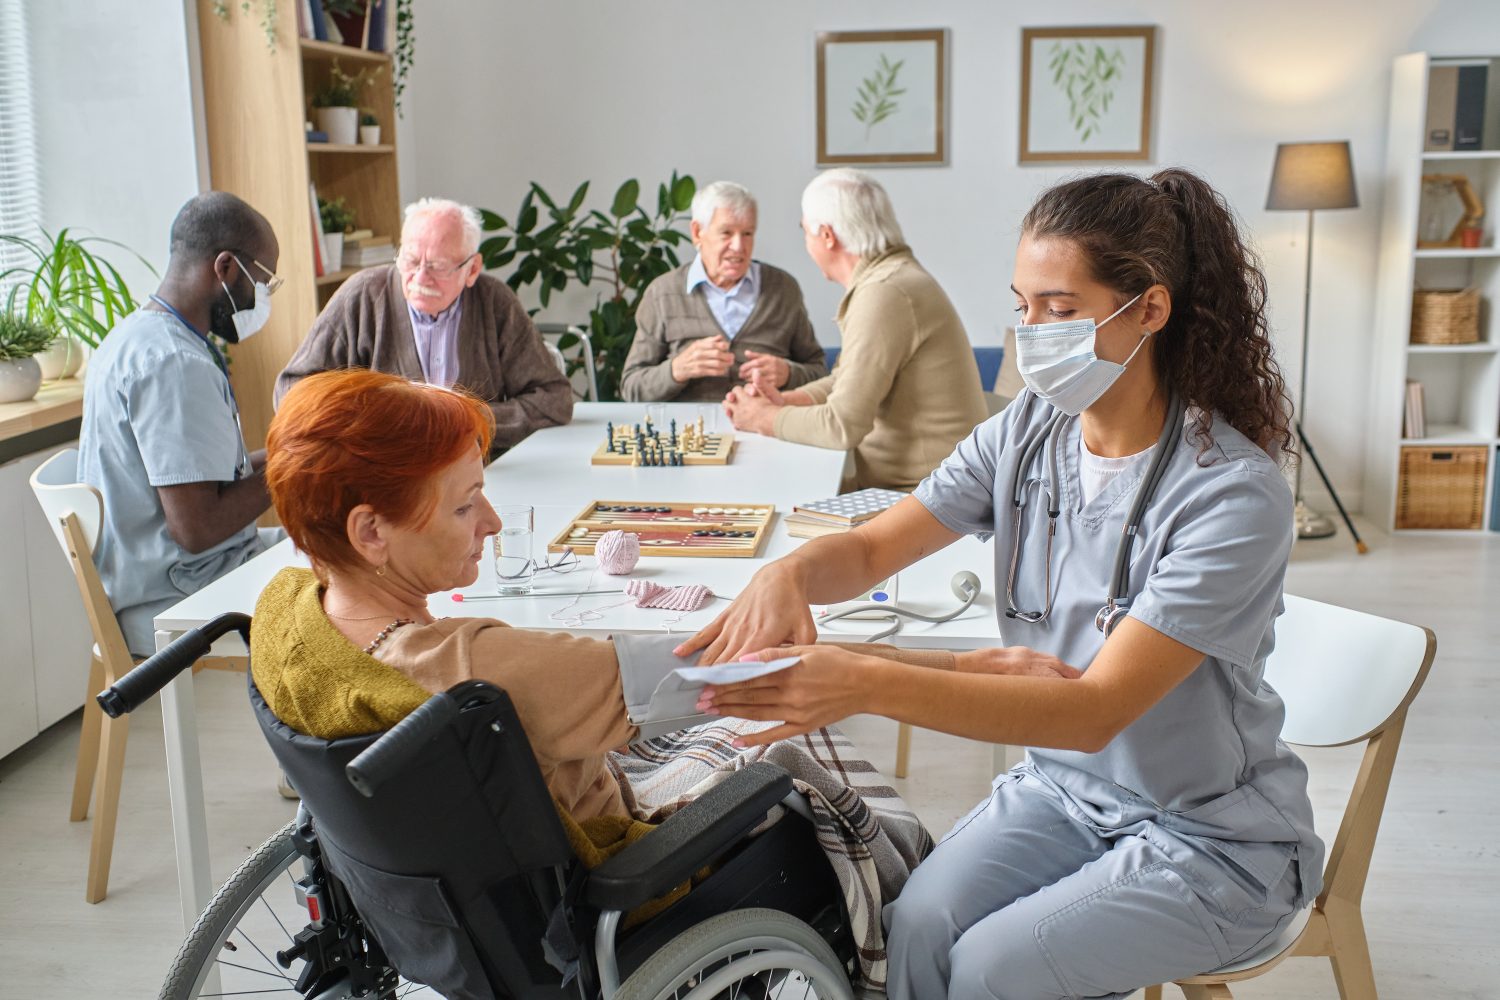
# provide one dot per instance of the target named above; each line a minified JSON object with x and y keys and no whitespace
{"x":548,"y":464}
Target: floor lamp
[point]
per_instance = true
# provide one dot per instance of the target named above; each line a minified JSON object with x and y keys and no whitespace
{"x":1309,"y":176}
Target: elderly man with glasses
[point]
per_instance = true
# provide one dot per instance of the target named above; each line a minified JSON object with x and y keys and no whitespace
{"x":433,"y":316}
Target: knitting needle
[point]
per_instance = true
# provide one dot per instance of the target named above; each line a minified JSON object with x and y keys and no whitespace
{"x":465,"y":598}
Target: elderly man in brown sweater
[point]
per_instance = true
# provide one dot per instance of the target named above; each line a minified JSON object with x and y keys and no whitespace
{"x":906,"y":387}
{"x":433,"y":316}
{"x":723,"y":318}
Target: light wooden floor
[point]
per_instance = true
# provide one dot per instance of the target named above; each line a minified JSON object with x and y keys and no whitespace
{"x":1432,"y":903}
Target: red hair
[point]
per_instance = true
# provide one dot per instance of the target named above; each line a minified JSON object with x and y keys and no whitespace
{"x":351,"y":437}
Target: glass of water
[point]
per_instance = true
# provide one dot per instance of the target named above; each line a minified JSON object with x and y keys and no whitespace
{"x":514,"y":567}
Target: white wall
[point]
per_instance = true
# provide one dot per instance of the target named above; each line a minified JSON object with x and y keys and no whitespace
{"x":114,"y":123}
{"x":506,"y":92}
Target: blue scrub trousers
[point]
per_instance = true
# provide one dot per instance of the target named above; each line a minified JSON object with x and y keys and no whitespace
{"x":1028,"y":897}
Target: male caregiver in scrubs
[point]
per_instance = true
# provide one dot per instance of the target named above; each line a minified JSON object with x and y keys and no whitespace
{"x":1158,"y":828}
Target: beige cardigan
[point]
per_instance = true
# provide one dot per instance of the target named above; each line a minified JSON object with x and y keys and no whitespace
{"x":501,"y":358}
{"x":905,"y":389}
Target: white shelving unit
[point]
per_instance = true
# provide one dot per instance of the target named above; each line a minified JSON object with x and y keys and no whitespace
{"x":1461,"y":381}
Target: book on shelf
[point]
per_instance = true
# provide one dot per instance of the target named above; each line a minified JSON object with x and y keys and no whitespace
{"x":355,"y":235}
{"x":317,"y":19}
{"x":1468,"y":107}
{"x":371,"y":240}
{"x":1463,"y":106}
{"x":317,"y":230}
{"x":357,"y":257}
{"x":1416,"y":410}
{"x":1442,"y":93}
{"x":379,"y":25}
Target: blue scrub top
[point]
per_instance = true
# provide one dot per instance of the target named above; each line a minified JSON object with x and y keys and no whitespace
{"x":1207,"y":570}
{"x":157,"y":411}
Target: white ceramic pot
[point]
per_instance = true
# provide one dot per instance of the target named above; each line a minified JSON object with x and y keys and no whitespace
{"x":62,"y":359}
{"x":341,"y":124}
{"x":333,"y":252}
{"x":19,"y":380}
{"x":369,"y":135}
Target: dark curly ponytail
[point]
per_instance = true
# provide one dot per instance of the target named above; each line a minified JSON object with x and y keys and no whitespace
{"x":1177,"y":231}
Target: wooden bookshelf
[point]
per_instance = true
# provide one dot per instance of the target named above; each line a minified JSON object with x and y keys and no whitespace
{"x":256,"y":101}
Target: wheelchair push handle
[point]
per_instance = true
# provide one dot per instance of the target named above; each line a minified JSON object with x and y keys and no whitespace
{"x":376,"y":763}
{"x":134,"y":689}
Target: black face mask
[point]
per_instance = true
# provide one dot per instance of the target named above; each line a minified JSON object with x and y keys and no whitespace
{"x":221,"y":313}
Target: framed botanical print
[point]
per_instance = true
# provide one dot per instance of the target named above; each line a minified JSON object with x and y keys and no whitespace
{"x":1086,"y":93}
{"x":881,"y":97}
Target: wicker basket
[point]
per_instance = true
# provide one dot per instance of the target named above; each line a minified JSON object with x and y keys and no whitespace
{"x":1441,"y":488}
{"x":1445,"y":316}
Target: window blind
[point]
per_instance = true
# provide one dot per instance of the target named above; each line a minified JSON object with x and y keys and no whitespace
{"x":20,"y":191}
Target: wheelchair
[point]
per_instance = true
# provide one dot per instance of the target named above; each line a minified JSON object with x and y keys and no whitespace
{"x":429,"y":860}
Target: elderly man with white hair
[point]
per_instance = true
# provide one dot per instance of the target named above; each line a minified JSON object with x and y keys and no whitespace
{"x":906,"y":388}
{"x":723,"y":318}
{"x":434,"y":316}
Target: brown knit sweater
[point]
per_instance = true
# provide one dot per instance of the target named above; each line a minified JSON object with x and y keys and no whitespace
{"x":501,"y":358}
{"x":905,"y":389}
{"x":669,"y":318}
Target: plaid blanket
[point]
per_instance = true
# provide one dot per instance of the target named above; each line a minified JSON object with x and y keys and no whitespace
{"x":872,"y":839}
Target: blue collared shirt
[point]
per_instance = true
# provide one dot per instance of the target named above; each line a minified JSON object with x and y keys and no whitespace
{"x":437,"y":342}
{"x":731,"y":307}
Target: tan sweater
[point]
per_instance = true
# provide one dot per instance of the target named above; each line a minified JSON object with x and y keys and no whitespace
{"x":566,"y":690}
{"x":501,"y":358}
{"x":670,"y":318}
{"x":905,"y":389}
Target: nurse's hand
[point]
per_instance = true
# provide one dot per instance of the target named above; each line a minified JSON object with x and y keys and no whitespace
{"x":828,"y":685}
{"x":771,"y":610}
{"x":1015,"y":660}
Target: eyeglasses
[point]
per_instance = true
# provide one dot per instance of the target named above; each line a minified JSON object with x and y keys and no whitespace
{"x":273,"y":282}
{"x":566,"y":562}
{"x":438,"y":269}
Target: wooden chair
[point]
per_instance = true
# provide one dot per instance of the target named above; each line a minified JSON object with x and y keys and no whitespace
{"x":75,"y":511}
{"x":1346,"y":677}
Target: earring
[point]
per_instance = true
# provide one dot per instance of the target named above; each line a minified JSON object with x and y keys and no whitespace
{"x":380,"y":570}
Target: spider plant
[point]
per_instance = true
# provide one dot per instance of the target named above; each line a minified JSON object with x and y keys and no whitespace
{"x":66,"y":286}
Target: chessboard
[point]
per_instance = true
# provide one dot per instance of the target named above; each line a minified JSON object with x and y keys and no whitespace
{"x":646,"y":445}
{"x":671,"y":529}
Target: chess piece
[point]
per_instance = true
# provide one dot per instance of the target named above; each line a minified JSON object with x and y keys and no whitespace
{"x":609,"y":438}
{"x":674,"y":432}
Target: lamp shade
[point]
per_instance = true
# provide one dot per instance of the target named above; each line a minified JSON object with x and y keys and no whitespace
{"x":1310,"y":175}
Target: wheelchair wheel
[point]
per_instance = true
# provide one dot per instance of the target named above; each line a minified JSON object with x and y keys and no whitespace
{"x":749,"y":954}
{"x":231,"y":950}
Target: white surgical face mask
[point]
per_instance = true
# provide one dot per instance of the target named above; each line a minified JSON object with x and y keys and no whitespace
{"x":1058,"y":364}
{"x":248,"y":322}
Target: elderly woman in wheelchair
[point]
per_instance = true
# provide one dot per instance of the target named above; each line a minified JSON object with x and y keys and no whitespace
{"x":496,"y":843}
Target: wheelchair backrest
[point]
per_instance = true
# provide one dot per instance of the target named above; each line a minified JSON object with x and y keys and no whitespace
{"x":456,"y":862}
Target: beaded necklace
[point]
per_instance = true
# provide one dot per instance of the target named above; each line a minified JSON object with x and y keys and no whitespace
{"x":385,"y":634}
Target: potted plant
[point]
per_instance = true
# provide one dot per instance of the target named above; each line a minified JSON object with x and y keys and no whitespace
{"x":21,"y":339}
{"x":622,"y":249}
{"x":69,"y":289}
{"x":336,"y":219}
{"x":336,"y":104}
{"x":369,"y":128}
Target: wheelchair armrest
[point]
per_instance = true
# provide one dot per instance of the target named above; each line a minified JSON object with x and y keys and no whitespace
{"x":689,"y":839}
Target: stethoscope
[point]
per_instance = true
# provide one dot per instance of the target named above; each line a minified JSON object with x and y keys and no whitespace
{"x":965,"y":587}
{"x":1117,"y":602}
{"x":242,"y":462}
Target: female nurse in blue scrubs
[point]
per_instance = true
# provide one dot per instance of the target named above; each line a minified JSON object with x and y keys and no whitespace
{"x":1158,"y":827}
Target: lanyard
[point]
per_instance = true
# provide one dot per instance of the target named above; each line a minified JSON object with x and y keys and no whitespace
{"x":243,"y":466}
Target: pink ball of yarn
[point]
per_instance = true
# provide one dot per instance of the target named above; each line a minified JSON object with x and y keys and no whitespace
{"x":618,"y":552}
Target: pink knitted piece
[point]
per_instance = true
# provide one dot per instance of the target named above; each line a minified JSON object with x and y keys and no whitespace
{"x":654,"y":595}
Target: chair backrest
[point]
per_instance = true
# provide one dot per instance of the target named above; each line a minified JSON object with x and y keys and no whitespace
{"x":1347,"y":676}
{"x":75,"y":512}
{"x":58,"y":490}
{"x":457,"y":860}
{"x":553,"y":334}
{"x":557,"y":356}
{"x":1343,"y":674}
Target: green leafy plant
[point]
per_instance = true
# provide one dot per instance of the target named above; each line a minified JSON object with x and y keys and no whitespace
{"x":367,"y":117}
{"x":1087,"y":75}
{"x":343,"y":90}
{"x":267,"y":17}
{"x":335,"y":215}
{"x":876,"y":97}
{"x":21,"y":337}
{"x":622,"y":250}
{"x":67,"y":287}
{"x":406,"y":47}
